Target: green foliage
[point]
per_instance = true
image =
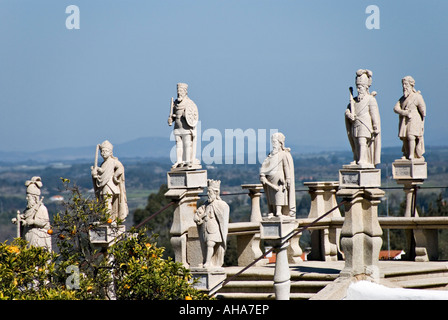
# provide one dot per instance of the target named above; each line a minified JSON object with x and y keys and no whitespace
{"x":160,"y":225}
{"x":140,"y":271}
{"x":131,"y":268}
{"x":27,"y":273}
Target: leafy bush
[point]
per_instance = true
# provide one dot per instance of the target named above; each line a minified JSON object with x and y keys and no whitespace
{"x":27,"y":272}
{"x":131,"y":268}
{"x":140,"y":271}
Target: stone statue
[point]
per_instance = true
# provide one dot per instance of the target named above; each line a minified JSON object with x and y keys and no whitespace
{"x":411,"y":109}
{"x":109,"y":182}
{"x":277,"y":177}
{"x":362,"y":120}
{"x":184,"y":113}
{"x":34,"y":222}
{"x":212,"y":219}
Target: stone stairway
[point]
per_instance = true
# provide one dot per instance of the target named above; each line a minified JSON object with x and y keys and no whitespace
{"x":412,"y":275}
{"x":310,"y":277}
{"x":257,"y":283}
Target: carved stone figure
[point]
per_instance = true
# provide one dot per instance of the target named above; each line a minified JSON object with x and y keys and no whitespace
{"x":184,"y":113}
{"x":109,"y":182}
{"x":212,"y":219}
{"x":35,"y":222}
{"x":277,"y":177}
{"x":362,"y":119}
{"x":411,"y":109}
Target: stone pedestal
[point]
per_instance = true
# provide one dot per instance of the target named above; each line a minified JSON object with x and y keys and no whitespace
{"x":104,"y":235}
{"x":361,"y":233}
{"x":181,"y":179}
{"x":184,"y":190}
{"x":208,"y":278}
{"x":422,"y":245}
{"x":410,"y":174}
{"x":277,"y":230}
{"x":352,"y":176}
{"x":404,"y":169}
{"x":324,"y":243}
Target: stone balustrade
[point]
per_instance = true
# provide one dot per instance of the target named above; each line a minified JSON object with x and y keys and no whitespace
{"x":325,"y":243}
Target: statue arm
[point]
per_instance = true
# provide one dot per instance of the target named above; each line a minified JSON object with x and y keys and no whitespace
{"x":398,"y":110}
{"x":199,"y":215}
{"x":375,"y":116}
{"x":287,"y":171}
{"x":421,"y":107}
{"x":349,"y":114}
{"x":118,"y":172}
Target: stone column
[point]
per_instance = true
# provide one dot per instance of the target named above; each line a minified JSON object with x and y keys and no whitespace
{"x":248,"y":244}
{"x":324,"y":243}
{"x":103,"y":236}
{"x":361,"y":232}
{"x":422,"y":245}
{"x":254,"y":194}
{"x":277,"y":230}
{"x":184,"y":189}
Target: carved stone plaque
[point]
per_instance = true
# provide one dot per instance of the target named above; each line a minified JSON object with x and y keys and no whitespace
{"x":359,"y":178}
{"x":187,"y":179}
{"x":404,"y":169}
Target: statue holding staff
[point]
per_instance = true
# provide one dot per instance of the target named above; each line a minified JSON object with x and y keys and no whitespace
{"x":362,"y":120}
{"x":34,"y":223}
{"x":109,"y":182}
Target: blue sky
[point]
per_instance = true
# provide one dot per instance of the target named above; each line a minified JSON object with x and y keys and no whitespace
{"x":260,"y":64}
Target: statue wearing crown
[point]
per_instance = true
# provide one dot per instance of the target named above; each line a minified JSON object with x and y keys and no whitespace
{"x":184,"y":114}
{"x":362,"y":120}
{"x":212,"y":219}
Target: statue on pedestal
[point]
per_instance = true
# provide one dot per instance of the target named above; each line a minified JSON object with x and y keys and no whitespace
{"x":411,"y":109}
{"x":184,"y":113}
{"x":212,"y":219}
{"x":34,"y":222}
{"x":109,"y":182}
{"x":362,"y":120}
{"x":277,"y":178}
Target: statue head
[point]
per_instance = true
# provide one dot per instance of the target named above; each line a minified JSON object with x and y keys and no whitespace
{"x":278,"y":141}
{"x":213,"y":189}
{"x":33,"y":190}
{"x":106,"y":149}
{"x":363,"y":81}
{"x":408,"y":85}
{"x":182,"y":90}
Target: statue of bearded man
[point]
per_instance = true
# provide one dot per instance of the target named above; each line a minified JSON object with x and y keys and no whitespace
{"x":411,"y":109}
{"x":277,"y":177}
{"x":362,"y":120}
{"x":184,"y":114}
{"x":35,"y":220}
{"x":212,"y":219}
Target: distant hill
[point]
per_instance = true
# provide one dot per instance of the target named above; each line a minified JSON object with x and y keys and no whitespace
{"x":149,"y":147}
{"x":160,"y":147}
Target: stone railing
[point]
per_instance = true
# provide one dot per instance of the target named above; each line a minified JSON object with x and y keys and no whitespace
{"x":325,"y":234}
